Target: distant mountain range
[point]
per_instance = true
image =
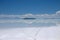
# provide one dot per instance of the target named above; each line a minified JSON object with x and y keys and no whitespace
{"x":29,"y":18}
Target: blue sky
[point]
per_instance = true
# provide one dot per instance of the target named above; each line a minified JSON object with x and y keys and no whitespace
{"x":29,"y":6}
{"x":12,"y":10}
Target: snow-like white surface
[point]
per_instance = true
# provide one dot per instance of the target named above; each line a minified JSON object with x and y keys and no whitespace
{"x":43,"y":33}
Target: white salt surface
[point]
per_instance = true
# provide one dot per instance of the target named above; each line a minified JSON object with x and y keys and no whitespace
{"x":42,"y":33}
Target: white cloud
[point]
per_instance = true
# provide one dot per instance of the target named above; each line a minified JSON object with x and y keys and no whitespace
{"x":56,"y":15}
{"x":54,"y":21}
{"x":58,"y":12}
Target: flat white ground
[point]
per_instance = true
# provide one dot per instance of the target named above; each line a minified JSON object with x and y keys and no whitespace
{"x":41,"y":33}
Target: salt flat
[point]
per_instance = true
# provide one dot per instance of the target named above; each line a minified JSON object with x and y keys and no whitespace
{"x":31,"y":33}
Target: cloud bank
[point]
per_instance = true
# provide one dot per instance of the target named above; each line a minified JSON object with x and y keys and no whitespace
{"x":54,"y":21}
{"x":37,"y":16}
{"x":56,"y":15}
